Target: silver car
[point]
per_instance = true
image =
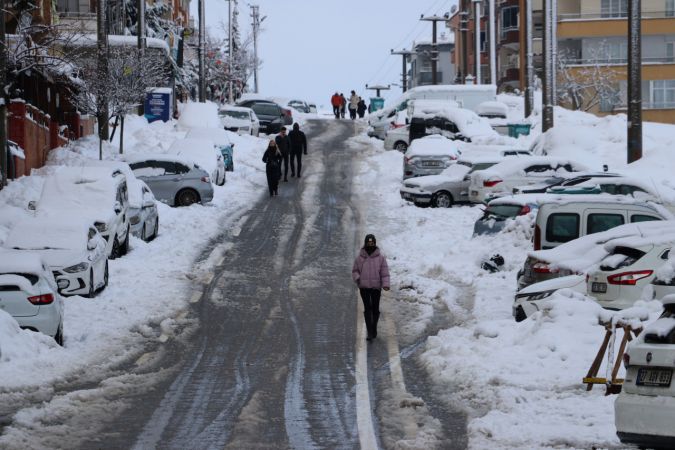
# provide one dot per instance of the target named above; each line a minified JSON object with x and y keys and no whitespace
{"x":143,"y":215}
{"x":173,"y":180}
{"x":429,"y":155}
{"x":28,"y":293}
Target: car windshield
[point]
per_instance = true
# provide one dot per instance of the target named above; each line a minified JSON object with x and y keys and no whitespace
{"x":235,"y":114}
{"x":263,"y":109}
{"x":502,"y":211}
{"x":621,"y":257}
{"x":31,"y":277}
{"x":481,"y":166}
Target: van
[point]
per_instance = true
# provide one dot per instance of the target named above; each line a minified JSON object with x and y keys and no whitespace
{"x":561,"y":221}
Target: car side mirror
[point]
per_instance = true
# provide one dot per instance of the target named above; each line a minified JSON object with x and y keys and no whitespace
{"x":118,"y":207}
{"x":91,"y":245}
{"x":32,"y":206}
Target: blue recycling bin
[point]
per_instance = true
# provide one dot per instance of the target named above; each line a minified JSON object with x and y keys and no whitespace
{"x":519,"y":129}
{"x":376,"y":103}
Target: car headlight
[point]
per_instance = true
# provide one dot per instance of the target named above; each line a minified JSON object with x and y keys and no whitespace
{"x":77,"y":268}
{"x":411,"y":186}
{"x":134,"y":219}
{"x":535,"y":295}
{"x":101,"y":227}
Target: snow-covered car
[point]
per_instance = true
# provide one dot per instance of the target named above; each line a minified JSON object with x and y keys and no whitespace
{"x":498,"y":211}
{"x":610,"y":185}
{"x":173,"y":180}
{"x":448,"y":187}
{"x":298,"y":105}
{"x":620,"y":278}
{"x":644,"y":410}
{"x":99,"y":194}
{"x":503,"y":177}
{"x":203,"y":152}
{"x":380,"y":122}
{"x":535,"y":297}
{"x":72,"y":248}
{"x":143,"y":215}
{"x":312,"y":108}
{"x":663,"y":283}
{"x":581,"y":255}
{"x":429,"y":156}
{"x":28,"y":292}
{"x":472,"y":148}
{"x":222,"y":140}
{"x":492,"y":110}
{"x":453,"y":123}
{"x":397,"y":138}
{"x":239,"y":120}
{"x":563,"y":182}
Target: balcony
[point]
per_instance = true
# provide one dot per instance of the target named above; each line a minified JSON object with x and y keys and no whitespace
{"x":609,"y":15}
{"x":616,"y":61}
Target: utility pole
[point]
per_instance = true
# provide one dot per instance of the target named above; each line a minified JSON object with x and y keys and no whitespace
{"x":634,"y":81}
{"x":464,"y":28}
{"x":529,"y":57}
{"x":202,"y":49}
{"x":404,"y":69}
{"x":102,"y":68}
{"x":377,"y":88}
{"x":230,"y":97}
{"x":255,"y":14}
{"x":549,"y":66}
{"x":3,"y":97}
{"x":476,"y":34}
{"x":493,"y":42}
{"x":434,"y":46}
{"x":140,"y":27}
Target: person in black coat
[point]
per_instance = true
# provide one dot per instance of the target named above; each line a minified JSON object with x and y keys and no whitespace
{"x":284,"y":146}
{"x":272,"y":159}
{"x":361,"y":108}
{"x":298,"y":147}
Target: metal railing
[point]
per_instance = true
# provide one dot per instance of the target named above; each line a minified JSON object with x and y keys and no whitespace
{"x":649,"y":105}
{"x":617,"y":61}
{"x":604,"y":15}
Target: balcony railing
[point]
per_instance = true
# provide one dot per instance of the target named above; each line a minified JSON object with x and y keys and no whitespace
{"x":604,"y":15}
{"x":617,"y":61}
{"x":649,"y":105}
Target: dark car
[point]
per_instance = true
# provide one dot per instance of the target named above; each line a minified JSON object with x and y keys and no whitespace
{"x":425,"y":126}
{"x":271,"y":115}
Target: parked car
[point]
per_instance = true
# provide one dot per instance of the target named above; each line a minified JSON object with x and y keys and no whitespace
{"x":299,"y":105}
{"x":312,"y":108}
{"x":447,"y":188}
{"x":99,"y":194}
{"x":173,"y":180}
{"x":628,"y":268}
{"x":380,"y":122}
{"x":429,"y":156}
{"x":501,"y":178}
{"x":29,"y":294}
{"x":143,"y":215}
{"x":203,"y":152}
{"x":453,"y":123}
{"x":221,"y":140}
{"x":397,"y":138}
{"x":535,"y":297}
{"x":270,"y":115}
{"x":240,"y":120}
{"x":578,"y":256}
{"x":663,"y":283}
{"x":500,"y":210}
{"x":73,"y":249}
{"x":545,"y":185}
{"x":644,"y":410}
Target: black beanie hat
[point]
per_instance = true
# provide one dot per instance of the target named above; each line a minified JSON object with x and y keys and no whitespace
{"x":369,"y":237}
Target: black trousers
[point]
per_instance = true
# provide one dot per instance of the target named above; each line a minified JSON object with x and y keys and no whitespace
{"x":285,"y":166}
{"x":371,"y":309}
{"x":336,"y":111}
{"x":352,"y":113}
{"x":296,"y":156}
{"x":272,"y":183}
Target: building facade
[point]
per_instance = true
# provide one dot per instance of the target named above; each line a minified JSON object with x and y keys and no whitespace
{"x":420,"y":72}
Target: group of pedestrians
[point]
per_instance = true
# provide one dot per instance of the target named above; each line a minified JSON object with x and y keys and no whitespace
{"x":355,"y":104}
{"x":279,"y":150}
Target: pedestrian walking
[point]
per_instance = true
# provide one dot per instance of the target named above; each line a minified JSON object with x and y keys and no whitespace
{"x":284,"y":146}
{"x":272,"y":159}
{"x":361,"y":108}
{"x":371,"y":274}
{"x":343,"y":105}
{"x":353,"y":105}
{"x":336,"y":101}
{"x":298,"y":142}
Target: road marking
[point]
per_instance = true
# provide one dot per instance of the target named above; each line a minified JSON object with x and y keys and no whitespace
{"x":364,"y":415}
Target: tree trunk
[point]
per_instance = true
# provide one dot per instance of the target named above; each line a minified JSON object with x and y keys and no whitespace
{"x":122,"y":135}
{"x":4,"y":169}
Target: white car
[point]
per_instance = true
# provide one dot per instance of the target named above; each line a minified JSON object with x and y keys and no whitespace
{"x":380,"y":122}
{"x":429,"y":155}
{"x":28,"y":292}
{"x":98,"y":194}
{"x":645,"y":408}
{"x":222,"y":140}
{"x":623,"y":274}
{"x":143,"y":215}
{"x":535,"y":297}
{"x":502,"y":178}
{"x":663,"y":283}
{"x":203,"y":152}
{"x":397,"y":138}
{"x":239,"y":120}
{"x":72,"y":248}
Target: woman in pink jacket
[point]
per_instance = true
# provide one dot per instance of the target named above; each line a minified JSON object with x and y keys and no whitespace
{"x":371,"y":274}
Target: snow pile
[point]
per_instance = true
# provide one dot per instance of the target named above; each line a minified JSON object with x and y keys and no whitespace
{"x":433,"y":145}
{"x":21,"y":348}
{"x":195,"y":114}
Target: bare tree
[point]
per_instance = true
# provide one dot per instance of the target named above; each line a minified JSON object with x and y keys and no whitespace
{"x":128,"y":77}
{"x":583,"y":84}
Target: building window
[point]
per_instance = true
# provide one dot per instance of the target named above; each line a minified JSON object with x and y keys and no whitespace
{"x":618,"y":52}
{"x":663,"y":94}
{"x":670,"y":8}
{"x":509,"y":18}
{"x":670,"y":52}
{"x":483,"y":42}
{"x":614,"y":8}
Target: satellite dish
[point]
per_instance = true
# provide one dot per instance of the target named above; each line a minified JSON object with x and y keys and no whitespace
{"x":453,"y":9}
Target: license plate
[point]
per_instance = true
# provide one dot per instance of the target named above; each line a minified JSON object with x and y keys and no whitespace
{"x":431,"y":163}
{"x":600,"y":288}
{"x":406,"y":196}
{"x":654,"y":377}
{"x":474,"y":193}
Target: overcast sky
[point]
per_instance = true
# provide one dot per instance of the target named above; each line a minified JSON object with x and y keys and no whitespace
{"x":312,"y":48}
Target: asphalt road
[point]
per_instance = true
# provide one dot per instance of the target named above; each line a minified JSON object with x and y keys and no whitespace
{"x":273,"y":353}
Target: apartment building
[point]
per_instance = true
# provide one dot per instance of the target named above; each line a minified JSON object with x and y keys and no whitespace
{"x":420,"y":72}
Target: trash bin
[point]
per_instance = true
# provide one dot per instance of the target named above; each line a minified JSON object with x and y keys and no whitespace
{"x":518,"y":129}
{"x":376,"y":103}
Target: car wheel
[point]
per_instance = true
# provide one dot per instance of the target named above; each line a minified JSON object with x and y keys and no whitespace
{"x":144,"y":236}
{"x":442,"y":200}
{"x":401,"y":146}
{"x":155,"y":232}
{"x":187,"y":197}
{"x":115,"y":253}
{"x":58,"y":337}
{"x":92,"y":289}
{"x":125,"y":248}
{"x":105,"y":276}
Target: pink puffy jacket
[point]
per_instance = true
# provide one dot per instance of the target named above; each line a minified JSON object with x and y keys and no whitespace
{"x":371,"y":271}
